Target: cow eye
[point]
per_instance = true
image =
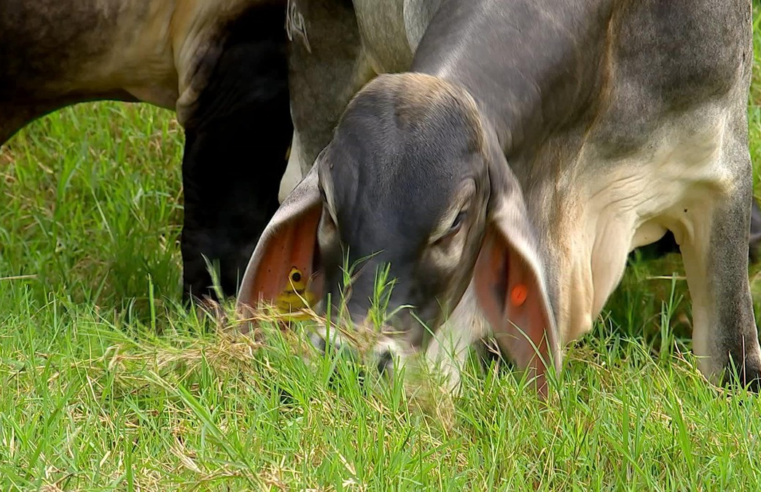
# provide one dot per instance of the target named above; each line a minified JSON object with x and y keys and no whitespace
{"x":446,"y":238}
{"x":453,"y":229}
{"x":457,"y":222}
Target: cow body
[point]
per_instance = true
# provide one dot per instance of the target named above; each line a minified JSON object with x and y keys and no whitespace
{"x":220,"y":65}
{"x":598,"y":126}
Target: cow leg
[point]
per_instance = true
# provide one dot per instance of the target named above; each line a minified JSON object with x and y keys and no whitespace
{"x":714,"y":241}
{"x":327,"y":66}
{"x":236,"y":139}
{"x":292,"y":175}
{"x":668,"y":244}
{"x":755,"y":232}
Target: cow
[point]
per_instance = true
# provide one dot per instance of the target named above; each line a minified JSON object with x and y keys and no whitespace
{"x":501,"y":158}
{"x":221,"y":66}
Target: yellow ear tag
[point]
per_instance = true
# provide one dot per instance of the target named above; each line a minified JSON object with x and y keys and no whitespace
{"x":293,"y":297}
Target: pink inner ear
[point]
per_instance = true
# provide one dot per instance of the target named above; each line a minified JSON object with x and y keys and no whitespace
{"x":292,"y":246}
{"x":513,"y":303}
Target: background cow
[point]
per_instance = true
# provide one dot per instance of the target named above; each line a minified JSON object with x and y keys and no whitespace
{"x":220,"y":64}
{"x":525,"y":150}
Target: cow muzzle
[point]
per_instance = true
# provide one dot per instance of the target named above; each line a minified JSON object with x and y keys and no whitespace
{"x":381,"y":349}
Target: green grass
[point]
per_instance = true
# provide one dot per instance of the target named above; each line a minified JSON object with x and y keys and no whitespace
{"x":108,"y":384}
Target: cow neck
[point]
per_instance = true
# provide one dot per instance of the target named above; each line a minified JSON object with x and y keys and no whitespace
{"x":528,"y":75}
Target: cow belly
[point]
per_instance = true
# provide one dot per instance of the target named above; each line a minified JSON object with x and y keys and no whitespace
{"x":621,"y":204}
{"x":100,"y":47}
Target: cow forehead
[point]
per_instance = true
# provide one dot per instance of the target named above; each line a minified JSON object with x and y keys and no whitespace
{"x":400,"y":153}
{"x":381,"y":198}
{"x":406,"y":129}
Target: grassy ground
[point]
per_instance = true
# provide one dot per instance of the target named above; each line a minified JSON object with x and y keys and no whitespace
{"x":108,"y":384}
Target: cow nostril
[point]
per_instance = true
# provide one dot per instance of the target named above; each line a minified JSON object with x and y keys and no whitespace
{"x":384,"y":362}
{"x":319,"y":342}
{"x":336,"y":347}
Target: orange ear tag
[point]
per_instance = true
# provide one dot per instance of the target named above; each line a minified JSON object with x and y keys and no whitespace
{"x":519,"y":294}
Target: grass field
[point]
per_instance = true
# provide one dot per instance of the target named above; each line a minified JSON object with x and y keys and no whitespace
{"x":106,"y":383}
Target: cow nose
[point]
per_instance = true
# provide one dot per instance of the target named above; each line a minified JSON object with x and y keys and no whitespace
{"x":335,"y":346}
{"x":319,"y":342}
{"x":382,"y":354}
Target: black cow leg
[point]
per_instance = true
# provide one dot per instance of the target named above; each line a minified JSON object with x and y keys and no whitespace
{"x":235,"y":154}
{"x":231,"y":184}
{"x":755,"y":232}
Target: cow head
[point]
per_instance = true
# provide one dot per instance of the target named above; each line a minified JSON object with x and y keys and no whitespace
{"x":414,"y":180}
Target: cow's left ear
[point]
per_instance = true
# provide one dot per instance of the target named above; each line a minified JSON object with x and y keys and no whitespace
{"x":287,"y":245}
{"x":510,"y":281}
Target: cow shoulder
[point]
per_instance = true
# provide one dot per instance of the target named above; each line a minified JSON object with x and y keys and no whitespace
{"x":666,"y":59}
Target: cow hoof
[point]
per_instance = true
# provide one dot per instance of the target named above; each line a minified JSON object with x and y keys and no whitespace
{"x":747,"y":376}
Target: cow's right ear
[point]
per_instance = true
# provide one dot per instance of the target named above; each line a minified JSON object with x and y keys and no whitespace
{"x":287,"y":247}
{"x":510,"y":278}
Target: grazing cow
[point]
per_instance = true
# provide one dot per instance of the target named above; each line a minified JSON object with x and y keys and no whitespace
{"x":221,"y":65}
{"x":504,"y":159}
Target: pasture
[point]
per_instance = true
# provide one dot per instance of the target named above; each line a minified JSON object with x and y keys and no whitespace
{"x":107,"y":383}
